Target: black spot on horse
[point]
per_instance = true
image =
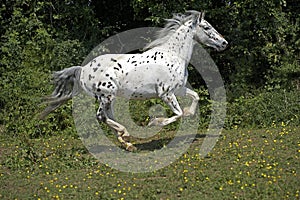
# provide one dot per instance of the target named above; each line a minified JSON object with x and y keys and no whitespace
{"x":95,"y":69}
{"x":91,"y":77}
{"x":109,"y":84}
{"x":93,"y":61}
{"x":113,"y":60}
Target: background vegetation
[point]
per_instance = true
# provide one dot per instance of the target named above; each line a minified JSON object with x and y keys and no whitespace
{"x":261,"y":71}
{"x":260,"y":68}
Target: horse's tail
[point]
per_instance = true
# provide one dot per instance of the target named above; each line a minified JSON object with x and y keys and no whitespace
{"x":66,"y":87}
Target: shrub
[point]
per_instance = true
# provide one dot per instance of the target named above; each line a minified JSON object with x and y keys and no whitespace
{"x":264,"y":109}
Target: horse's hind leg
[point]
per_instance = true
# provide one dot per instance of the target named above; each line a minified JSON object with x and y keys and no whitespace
{"x":123,"y":135}
{"x":192,"y":109}
{"x":172,"y":102}
{"x":104,"y":115}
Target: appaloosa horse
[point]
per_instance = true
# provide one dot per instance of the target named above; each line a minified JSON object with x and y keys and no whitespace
{"x":159,"y":72}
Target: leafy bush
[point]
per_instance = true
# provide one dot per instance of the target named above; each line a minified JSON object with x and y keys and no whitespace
{"x":25,"y":79}
{"x":264,"y":109}
{"x":39,"y":37}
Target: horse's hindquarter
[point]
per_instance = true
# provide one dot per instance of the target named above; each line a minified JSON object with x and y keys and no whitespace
{"x":96,"y":77}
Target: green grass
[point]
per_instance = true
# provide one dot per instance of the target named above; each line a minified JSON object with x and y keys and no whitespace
{"x":245,"y":164}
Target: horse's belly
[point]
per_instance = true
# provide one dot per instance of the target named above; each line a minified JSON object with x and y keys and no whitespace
{"x":145,"y":91}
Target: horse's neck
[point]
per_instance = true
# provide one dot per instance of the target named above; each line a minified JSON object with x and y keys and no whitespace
{"x":181,"y":43}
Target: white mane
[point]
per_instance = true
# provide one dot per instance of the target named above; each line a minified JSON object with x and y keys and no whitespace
{"x":171,"y":26}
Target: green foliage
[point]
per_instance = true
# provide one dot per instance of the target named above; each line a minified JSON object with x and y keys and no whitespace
{"x":39,"y":37}
{"x":157,"y":11}
{"x":29,"y":53}
{"x":263,"y":38}
{"x":262,"y":41}
{"x":264,"y":109}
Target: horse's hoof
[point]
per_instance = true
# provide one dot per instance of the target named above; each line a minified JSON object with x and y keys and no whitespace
{"x":127,"y":138}
{"x":131,"y":148}
{"x":152,"y":122}
{"x":187,"y":112}
{"x":157,"y":122}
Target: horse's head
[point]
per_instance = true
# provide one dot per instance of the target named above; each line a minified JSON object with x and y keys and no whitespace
{"x":207,"y":35}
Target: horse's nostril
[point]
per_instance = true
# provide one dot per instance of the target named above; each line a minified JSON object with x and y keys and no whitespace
{"x":225,"y":43}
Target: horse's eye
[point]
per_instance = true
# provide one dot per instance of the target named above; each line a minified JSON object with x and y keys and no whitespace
{"x":206,"y":28}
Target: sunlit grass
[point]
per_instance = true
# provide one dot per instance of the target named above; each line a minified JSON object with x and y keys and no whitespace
{"x":245,"y":164}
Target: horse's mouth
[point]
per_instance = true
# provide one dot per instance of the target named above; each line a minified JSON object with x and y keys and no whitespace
{"x":221,"y":48}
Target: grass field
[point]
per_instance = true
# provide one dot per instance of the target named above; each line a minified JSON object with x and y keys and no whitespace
{"x":245,"y":164}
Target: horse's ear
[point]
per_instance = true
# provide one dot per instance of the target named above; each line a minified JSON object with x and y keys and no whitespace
{"x":195,"y":20}
{"x":201,"y":16}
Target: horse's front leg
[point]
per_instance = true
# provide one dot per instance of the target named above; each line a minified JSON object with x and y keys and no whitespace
{"x":172,"y":102}
{"x":188,"y":111}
